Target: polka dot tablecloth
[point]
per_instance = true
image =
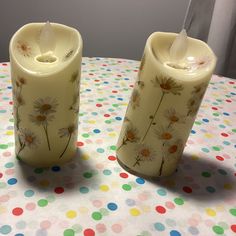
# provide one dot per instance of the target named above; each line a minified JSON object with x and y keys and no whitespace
{"x":93,"y":195}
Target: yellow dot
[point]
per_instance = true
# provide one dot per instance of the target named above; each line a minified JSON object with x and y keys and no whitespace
{"x":104,"y":188}
{"x":210,"y":212}
{"x":71,"y":214}
{"x":134,"y":212}
{"x":207,"y":135}
{"x":9,"y":132}
{"x":85,"y":156}
{"x":83,"y":210}
{"x":3,"y":209}
{"x":228,"y":186}
{"x":91,"y":121}
{"x":115,"y":184}
{"x":220,"y":208}
{"x":112,"y":134}
{"x":227,"y":122}
{"x":145,"y":208}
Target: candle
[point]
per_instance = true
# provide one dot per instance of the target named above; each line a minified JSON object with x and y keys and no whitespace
{"x":173,"y":77}
{"x":45,"y":72}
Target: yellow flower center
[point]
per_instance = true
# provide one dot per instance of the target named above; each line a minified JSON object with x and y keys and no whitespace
{"x":174,"y":118}
{"x":145,"y":152}
{"x":41,"y":118}
{"x":29,"y":139}
{"x":45,"y":107}
{"x":166,"y":136}
{"x":173,"y":149}
{"x":130,"y":135}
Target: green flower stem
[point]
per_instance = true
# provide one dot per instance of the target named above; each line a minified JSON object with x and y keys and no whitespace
{"x":149,"y":126}
{"x":45,"y":127}
{"x":66,"y":146}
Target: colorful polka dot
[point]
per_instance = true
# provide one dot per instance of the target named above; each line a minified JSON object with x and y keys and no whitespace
{"x":112,"y":206}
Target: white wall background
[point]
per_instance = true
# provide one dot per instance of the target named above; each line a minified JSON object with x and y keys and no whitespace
{"x":110,"y":28}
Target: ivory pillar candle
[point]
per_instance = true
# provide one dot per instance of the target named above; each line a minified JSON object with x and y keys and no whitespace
{"x":45,"y":71}
{"x":174,"y":74}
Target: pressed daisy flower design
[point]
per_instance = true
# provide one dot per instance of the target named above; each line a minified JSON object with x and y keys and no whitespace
{"x":164,"y":134}
{"x":67,"y":132}
{"x":27,"y":139}
{"x":76,"y":102}
{"x":135,"y":99}
{"x":43,"y":114}
{"x":24,"y":49}
{"x":200,"y":62}
{"x":144,"y":153}
{"x":172,"y":151}
{"x":131,"y":135}
{"x":173,"y":117}
{"x":45,"y":105}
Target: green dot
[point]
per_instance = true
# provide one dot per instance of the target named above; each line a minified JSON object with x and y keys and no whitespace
{"x":215,"y":114}
{"x":100,"y":99}
{"x":218,"y":230}
{"x":234,"y":130}
{"x":85,"y":135}
{"x":115,"y":105}
{"x":179,"y":201}
{"x":11,"y":120}
{"x":42,"y":202}
{"x":38,"y":170}
{"x":126,"y":187}
{"x":50,"y":198}
{"x":3,"y":184}
{"x":206,"y":174}
{"x":77,"y":228}
{"x":3,"y":146}
{"x":113,"y":147}
{"x":87,"y":175}
{"x":216,"y":148}
{"x":100,"y":150}
{"x":69,"y":232}
{"x":219,"y":100}
{"x":205,"y":150}
{"x":197,"y":123}
{"x":233,"y":211}
{"x":96,"y":215}
{"x":108,"y":121}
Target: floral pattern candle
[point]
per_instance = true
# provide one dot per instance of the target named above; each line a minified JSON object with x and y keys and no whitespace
{"x":45,"y":71}
{"x":173,"y":77}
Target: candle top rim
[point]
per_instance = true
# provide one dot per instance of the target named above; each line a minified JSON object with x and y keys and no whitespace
{"x":52,"y":68}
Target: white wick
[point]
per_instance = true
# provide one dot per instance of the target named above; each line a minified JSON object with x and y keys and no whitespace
{"x":179,"y":47}
{"x":47,"y":39}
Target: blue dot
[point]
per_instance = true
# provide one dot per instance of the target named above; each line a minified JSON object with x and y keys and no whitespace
{"x":118,"y":118}
{"x":12,"y":181}
{"x":112,"y":206}
{"x":205,"y":120}
{"x":233,"y":93}
{"x":120,"y":99}
{"x":226,"y":143}
{"x":126,"y":78}
{"x":94,"y":113}
{"x":130,"y":202}
{"x":83,"y":189}
{"x":107,"y":172}
{"x":9,"y":164}
{"x":226,"y":113}
{"x":222,"y":126}
{"x":140,"y":180}
{"x":88,"y":90}
{"x":96,"y":131}
{"x":100,"y":150}
{"x":235,"y":146}
{"x":106,"y":82}
{"x":29,"y":193}
{"x":5,"y":229}
{"x":206,"y":150}
{"x":175,"y":233}
{"x":56,"y":168}
{"x":193,"y":132}
{"x":210,"y":189}
{"x":159,"y":226}
{"x":9,"y":87}
{"x":19,"y":234}
{"x":221,"y":171}
{"x":161,"y":192}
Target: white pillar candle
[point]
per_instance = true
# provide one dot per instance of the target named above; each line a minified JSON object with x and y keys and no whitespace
{"x":173,"y":76}
{"x":45,"y":71}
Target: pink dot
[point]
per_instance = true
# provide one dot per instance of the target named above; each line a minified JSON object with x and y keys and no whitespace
{"x":9,"y":171}
{"x":30,"y":206}
{"x":89,"y":232}
{"x":46,"y":224}
{"x":193,"y":222}
{"x":100,"y":166}
{"x":116,"y":228}
{"x":6,"y":154}
{"x":161,"y":209}
{"x":209,"y":223}
{"x":1,"y":175}
{"x":101,"y":228}
{"x":196,"y":216}
{"x":4,"y":198}
{"x":143,"y":196}
{"x":226,"y":156}
{"x":17,"y":211}
{"x":170,"y":205}
{"x":97,"y":203}
{"x":64,"y":224}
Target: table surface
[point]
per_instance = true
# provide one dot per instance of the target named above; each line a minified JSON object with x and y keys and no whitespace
{"x":93,"y":195}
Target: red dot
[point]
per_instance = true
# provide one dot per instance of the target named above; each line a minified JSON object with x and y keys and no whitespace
{"x":135,"y":70}
{"x":106,"y":115}
{"x":235,"y":174}
{"x":17,"y":211}
{"x":227,"y":100}
{"x":114,"y":91}
{"x":11,"y":103}
{"x":4,"y":64}
{"x":96,"y":80}
{"x":119,"y":75}
{"x":89,"y":232}
{"x":91,"y":74}
{"x":1,"y":175}
{"x":124,"y":175}
{"x":131,"y":86}
{"x":98,"y":105}
{"x":231,"y":82}
{"x":161,"y":209}
{"x":104,"y":64}
{"x":233,"y":228}
{"x":214,"y":108}
{"x":80,"y":144}
{"x":187,"y":189}
{"x":59,"y":190}
{"x":224,"y":134}
{"x":112,"y":158}
{"x":219,"y":158}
